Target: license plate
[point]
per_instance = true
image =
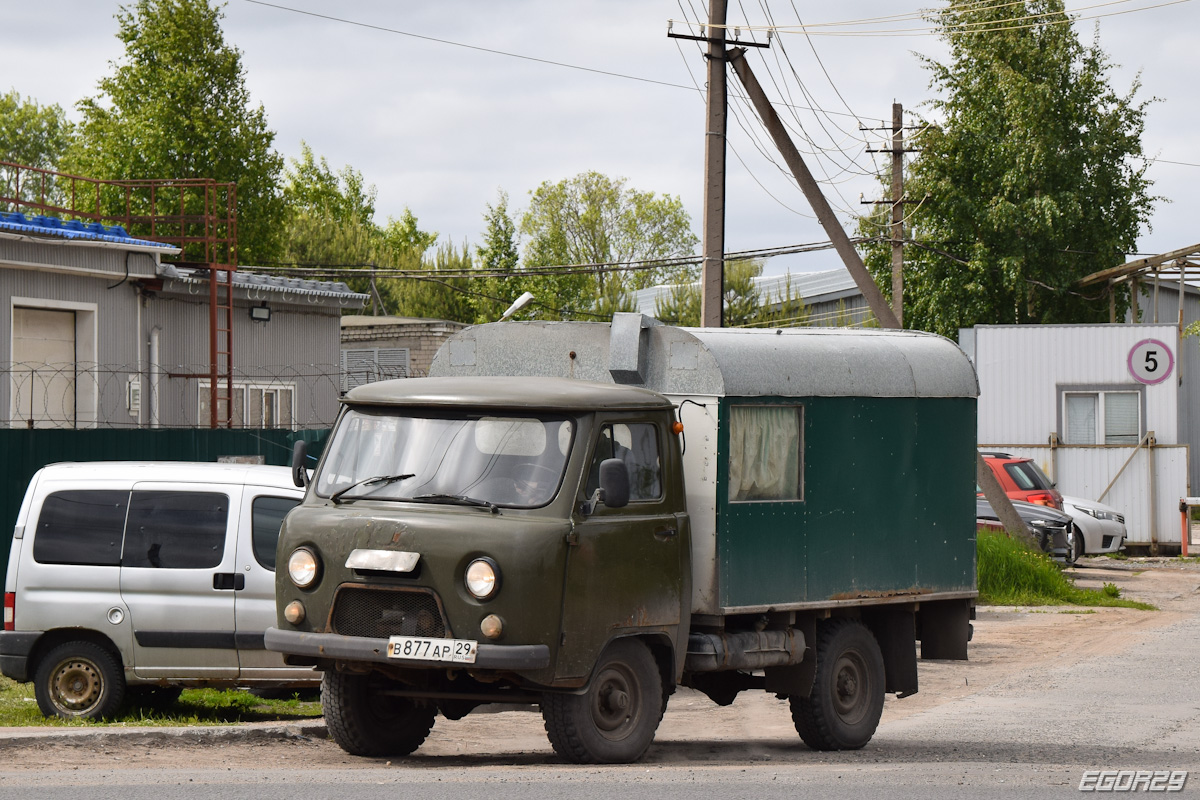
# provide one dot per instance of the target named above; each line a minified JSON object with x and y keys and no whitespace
{"x":420,"y":648}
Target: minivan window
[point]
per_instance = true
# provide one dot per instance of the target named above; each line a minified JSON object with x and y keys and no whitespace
{"x":81,"y":527}
{"x":176,"y":530}
{"x":267,"y":515}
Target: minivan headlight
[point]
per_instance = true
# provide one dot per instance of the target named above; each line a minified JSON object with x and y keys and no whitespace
{"x":482,"y":578}
{"x":304,"y":567}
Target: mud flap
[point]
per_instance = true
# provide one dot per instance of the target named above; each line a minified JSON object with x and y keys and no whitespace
{"x":944,"y":628}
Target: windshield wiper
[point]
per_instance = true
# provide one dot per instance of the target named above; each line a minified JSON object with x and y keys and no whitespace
{"x":382,"y":480}
{"x":456,"y":499}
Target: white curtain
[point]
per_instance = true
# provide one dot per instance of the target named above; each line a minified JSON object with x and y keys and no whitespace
{"x":764,"y":453}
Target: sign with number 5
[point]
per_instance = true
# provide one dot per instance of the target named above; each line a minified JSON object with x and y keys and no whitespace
{"x":1151,"y":361}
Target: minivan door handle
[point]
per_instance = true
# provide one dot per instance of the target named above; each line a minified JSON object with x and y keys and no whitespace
{"x":234,"y":581}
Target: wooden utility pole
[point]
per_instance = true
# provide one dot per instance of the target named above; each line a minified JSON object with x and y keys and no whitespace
{"x":898,"y":212}
{"x":712,"y":291}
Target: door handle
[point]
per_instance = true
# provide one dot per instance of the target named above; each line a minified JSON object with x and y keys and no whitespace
{"x":229,"y":581}
{"x":664,"y":533}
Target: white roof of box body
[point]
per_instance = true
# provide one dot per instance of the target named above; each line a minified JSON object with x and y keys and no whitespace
{"x":788,"y":362}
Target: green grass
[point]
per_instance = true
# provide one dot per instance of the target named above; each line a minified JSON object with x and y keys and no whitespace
{"x":1011,"y":574}
{"x":194,"y":707}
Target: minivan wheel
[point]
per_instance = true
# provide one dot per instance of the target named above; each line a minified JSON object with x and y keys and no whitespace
{"x":365,"y":721}
{"x":614,"y":721}
{"x":79,"y":679}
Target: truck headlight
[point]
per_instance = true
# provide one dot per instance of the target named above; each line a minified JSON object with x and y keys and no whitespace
{"x":304,"y":567}
{"x":482,"y":578}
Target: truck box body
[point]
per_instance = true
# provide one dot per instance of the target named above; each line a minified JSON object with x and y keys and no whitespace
{"x":888,"y":465}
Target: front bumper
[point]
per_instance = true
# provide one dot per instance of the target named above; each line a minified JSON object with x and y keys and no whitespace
{"x":15,"y":647}
{"x":509,"y":658}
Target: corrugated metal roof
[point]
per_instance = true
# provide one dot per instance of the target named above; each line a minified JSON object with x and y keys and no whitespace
{"x":813,"y":287}
{"x":256,"y":281}
{"x":74,"y":229}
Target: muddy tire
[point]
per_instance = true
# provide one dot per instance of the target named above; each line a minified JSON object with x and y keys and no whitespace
{"x":843,"y":708}
{"x":365,"y":722}
{"x":79,"y":680}
{"x":614,"y":721}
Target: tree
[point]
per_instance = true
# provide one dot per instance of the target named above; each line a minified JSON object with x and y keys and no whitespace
{"x":177,"y":106}
{"x":1032,"y":180}
{"x":32,"y":135}
{"x":594,"y":219}
{"x":311,"y":186}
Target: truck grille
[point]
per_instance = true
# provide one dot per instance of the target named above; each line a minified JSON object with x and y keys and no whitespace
{"x":377,"y":613}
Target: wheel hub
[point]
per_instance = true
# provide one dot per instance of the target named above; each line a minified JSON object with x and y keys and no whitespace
{"x":76,"y":685}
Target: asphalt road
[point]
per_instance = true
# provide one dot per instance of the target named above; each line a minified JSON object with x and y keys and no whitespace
{"x":1121,"y":698}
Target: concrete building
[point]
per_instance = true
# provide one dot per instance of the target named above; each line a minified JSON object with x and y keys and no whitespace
{"x":377,"y":348}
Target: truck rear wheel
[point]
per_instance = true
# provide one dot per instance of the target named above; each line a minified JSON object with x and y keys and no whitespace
{"x":366,"y":722}
{"x":614,"y":721}
{"x":843,"y":708}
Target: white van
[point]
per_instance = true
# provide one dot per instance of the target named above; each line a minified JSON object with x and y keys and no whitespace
{"x":128,"y":578}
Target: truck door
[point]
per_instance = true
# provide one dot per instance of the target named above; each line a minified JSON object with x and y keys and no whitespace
{"x":178,"y":579}
{"x":262,"y":513}
{"x":624,"y":569}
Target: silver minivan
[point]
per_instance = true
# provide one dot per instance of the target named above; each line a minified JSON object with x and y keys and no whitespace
{"x":142,"y":578}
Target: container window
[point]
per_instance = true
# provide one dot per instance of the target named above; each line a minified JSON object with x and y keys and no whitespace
{"x":765,"y":453}
{"x":637,"y":445}
{"x":1103,"y":417}
{"x":176,"y":530}
{"x":267,"y":515}
{"x":81,"y":527}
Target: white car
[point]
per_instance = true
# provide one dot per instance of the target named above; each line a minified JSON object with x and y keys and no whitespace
{"x":1103,"y":526}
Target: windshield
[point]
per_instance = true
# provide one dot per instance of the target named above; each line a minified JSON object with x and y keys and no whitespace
{"x":512,"y":461}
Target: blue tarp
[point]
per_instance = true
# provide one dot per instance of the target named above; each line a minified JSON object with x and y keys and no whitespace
{"x":72,"y":229}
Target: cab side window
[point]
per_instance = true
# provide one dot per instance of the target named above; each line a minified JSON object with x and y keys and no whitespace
{"x":176,"y":530}
{"x":637,"y":445}
{"x":267,"y":515}
{"x":81,"y":527}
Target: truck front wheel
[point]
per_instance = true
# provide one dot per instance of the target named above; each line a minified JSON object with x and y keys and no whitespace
{"x":365,"y":721}
{"x":614,"y":721}
{"x":843,"y":708}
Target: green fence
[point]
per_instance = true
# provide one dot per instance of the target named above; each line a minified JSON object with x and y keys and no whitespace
{"x":23,"y":452}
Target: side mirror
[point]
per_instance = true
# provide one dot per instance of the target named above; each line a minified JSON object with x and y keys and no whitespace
{"x":299,"y":459}
{"x":614,"y":483}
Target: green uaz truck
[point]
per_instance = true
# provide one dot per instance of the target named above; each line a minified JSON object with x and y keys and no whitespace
{"x":584,"y":516}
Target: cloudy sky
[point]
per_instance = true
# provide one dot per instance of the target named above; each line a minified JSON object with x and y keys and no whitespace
{"x":441,"y":128}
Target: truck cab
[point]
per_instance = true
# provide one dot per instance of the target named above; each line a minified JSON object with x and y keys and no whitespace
{"x":465,"y":541}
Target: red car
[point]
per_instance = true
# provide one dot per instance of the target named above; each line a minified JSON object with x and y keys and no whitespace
{"x":1023,"y":479}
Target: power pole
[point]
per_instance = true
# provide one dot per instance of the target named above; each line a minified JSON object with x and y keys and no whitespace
{"x":712,"y":285}
{"x":897,"y":204}
{"x":898,"y":212}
